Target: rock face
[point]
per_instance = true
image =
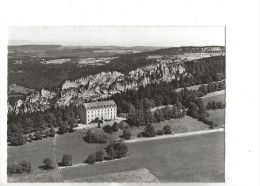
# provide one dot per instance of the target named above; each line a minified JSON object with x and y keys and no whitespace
{"x":98,"y":86}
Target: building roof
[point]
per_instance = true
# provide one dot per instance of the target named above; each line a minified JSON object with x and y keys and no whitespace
{"x":99,"y":104}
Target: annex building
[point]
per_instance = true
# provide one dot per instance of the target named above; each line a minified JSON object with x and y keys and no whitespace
{"x":104,"y":110}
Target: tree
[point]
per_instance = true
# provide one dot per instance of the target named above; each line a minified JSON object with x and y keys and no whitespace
{"x":30,"y":137}
{"x":99,"y":155}
{"x":52,"y":132}
{"x":116,"y":149}
{"x":115,"y":127}
{"x":126,"y":134}
{"x":48,"y":164}
{"x":107,"y":129}
{"x":149,"y":131}
{"x":160,"y":132}
{"x":47,"y":133}
{"x":120,"y":149}
{"x":67,"y":160}
{"x":62,"y":129}
{"x":209,"y":106}
{"x":95,"y":137}
{"x":167,"y":129}
{"x":37,"y":135}
{"x":91,"y":159}
{"x":17,"y":139}
{"x":15,"y":168}
{"x":26,"y":166}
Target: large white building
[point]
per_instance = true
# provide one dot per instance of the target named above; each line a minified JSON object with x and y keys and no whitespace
{"x":104,"y":110}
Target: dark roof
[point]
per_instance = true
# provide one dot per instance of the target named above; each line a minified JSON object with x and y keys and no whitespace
{"x":99,"y":104}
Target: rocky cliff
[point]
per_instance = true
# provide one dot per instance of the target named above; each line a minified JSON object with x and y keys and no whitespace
{"x":98,"y":86}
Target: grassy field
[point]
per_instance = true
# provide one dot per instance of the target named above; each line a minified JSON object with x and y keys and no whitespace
{"x":137,"y":176}
{"x":185,"y":124}
{"x":216,"y":98}
{"x":73,"y":143}
{"x":189,"y":159}
{"x":218,"y":116}
{"x":35,"y":153}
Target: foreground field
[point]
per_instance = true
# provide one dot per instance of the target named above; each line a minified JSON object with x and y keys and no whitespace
{"x":189,"y":159}
{"x":35,"y":153}
{"x":137,"y":176}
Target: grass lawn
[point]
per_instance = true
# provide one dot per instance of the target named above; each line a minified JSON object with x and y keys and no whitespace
{"x":216,"y":98}
{"x":35,"y":153}
{"x":197,"y":158}
{"x":73,"y":143}
{"x":218,"y":116}
{"x":185,"y":124}
{"x":137,"y":176}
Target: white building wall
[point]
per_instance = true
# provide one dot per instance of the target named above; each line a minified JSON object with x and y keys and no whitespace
{"x":108,"y":113}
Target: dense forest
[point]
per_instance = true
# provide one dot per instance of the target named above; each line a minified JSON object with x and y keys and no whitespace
{"x":36,"y":75}
{"x":135,"y":105}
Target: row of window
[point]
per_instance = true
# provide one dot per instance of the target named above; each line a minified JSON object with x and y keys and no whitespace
{"x":106,"y":110}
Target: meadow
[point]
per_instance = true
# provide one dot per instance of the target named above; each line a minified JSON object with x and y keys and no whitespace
{"x":197,"y":158}
{"x":35,"y":153}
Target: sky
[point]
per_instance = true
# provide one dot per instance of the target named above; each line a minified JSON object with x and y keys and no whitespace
{"x":117,"y":36}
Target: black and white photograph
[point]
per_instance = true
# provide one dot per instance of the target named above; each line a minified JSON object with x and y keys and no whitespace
{"x":133,"y":92}
{"x":116,"y":104}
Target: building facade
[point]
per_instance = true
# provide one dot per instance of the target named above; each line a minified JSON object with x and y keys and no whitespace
{"x":104,"y":110}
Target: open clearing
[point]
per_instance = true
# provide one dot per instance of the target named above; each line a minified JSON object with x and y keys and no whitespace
{"x":73,"y":143}
{"x":214,"y":96}
{"x":35,"y":153}
{"x":218,"y":116}
{"x":210,"y":149}
{"x":197,"y":158}
{"x":137,"y":176}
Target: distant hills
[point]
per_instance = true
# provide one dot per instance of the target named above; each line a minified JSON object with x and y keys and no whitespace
{"x":57,"y":51}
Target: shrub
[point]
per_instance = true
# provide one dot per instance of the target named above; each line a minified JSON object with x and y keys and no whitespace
{"x":47,"y":133}
{"x":62,"y":129}
{"x":11,"y":168}
{"x":149,"y":131}
{"x":120,"y":149}
{"x":15,"y":168}
{"x":115,"y":127}
{"x":67,"y":160}
{"x":160,"y":132}
{"x":30,"y":137}
{"x":140,"y":135}
{"x":94,"y":137}
{"x":99,"y":156}
{"x":48,"y":164}
{"x":167,"y":129}
{"x":26,"y":166}
{"x":123,"y":125}
{"x":107,"y":129}
{"x":91,"y":159}
{"x":126,"y":134}
{"x":37,"y":135}
{"x":116,"y":150}
{"x":17,"y":140}
{"x":52,"y":132}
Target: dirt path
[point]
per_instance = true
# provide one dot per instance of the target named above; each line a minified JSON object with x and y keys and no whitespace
{"x":55,"y":157}
{"x":175,"y":135}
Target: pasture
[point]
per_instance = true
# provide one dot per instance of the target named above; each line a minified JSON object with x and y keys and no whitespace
{"x":74,"y":144}
{"x":197,"y":158}
{"x":214,"y":96}
{"x":35,"y":153}
{"x":218,"y":116}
